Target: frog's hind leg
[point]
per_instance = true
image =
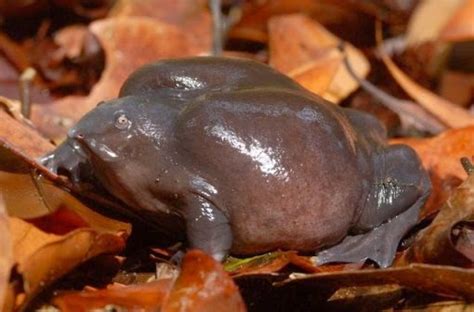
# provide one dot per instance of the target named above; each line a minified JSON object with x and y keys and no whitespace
{"x":408,"y":186}
{"x":207,"y":227}
{"x":378,"y":245}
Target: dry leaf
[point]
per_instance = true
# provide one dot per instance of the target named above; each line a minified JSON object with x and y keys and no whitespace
{"x":274,"y":262}
{"x":23,"y":199}
{"x":297,"y":42}
{"x":143,"y":297}
{"x":411,"y":115}
{"x":460,"y":26}
{"x":457,"y":87}
{"x":5,"y":252}
{"x":436,"y":243}
{"x":347,"y":16}
{"x":203,"y":285}
{"x":267,"y":263}
{"x":317,"y":76}
{"x":27,"y":143}
{"x":42,"y":258}
{"x":191,"y":16}
{"x":440,"y":156}
{"x":429,"y":18}
{"x":71,"y":40}
{"x":450,"y":114}
{"x":446,"y":281}
{"x":128,"y":42}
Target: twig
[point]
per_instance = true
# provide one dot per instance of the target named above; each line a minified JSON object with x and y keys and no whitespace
{"x":217,"y":27}
{"x":25,"y":87}
{"x":411,"y":114}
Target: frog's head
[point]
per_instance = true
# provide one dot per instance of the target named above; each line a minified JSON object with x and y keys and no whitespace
{"x":113,"y":141}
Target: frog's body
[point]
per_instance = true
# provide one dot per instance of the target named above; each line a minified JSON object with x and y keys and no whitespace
{"x":250,"y":161}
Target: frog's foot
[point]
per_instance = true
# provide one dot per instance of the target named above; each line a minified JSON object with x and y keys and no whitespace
{"x":379,"y":245}
{"x":207,"y":227}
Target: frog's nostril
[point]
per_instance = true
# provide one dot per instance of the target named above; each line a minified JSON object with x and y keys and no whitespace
{"x":80,"y":136}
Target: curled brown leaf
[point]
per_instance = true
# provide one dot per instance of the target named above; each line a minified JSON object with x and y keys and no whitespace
{"x":6,"y":258}
{"x":128,"y":43}
{"x":311,"y":45}
{"x":441,"y":242}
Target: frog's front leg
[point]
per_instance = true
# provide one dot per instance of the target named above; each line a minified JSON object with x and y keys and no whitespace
{"x":392,"y":210}
{"x":207,"y":227}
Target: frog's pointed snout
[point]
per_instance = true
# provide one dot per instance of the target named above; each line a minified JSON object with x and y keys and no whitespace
{"x":48,"y":161}
{"x":65,"y":159}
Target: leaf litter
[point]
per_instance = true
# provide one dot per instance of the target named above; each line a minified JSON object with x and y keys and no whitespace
{"x":53,"y":234}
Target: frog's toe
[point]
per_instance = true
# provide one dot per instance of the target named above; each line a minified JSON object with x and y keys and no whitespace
{"x":378,"y":245}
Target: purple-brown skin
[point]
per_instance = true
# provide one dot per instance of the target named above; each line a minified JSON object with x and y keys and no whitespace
{"x":250,"y":161}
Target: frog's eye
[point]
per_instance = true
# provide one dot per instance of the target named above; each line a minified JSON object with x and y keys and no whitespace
{"x":122,"y":122}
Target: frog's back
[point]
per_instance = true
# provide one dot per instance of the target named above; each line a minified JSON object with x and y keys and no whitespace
{"x":188,"y":78}
{"x":285,"y":166}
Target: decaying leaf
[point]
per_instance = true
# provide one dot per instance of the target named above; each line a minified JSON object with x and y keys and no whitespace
{"x":317,"y":76}
{"x":191,"y":17}
{"x":128,"y":42}
{"x":274,"y":262}
{"x":350,"y":17}
{"x":429,"y":18}
{"x":440,"y":156}
{"x":23,"y":199}
{"x":41,"y":258}
{"x":202,"y":285}
{"x":437,"y":243}
{"x":144,"y":297}
{"x":6,"y":258}
{"x":21,"y":140}
{"x":450,"y":114}
{"x":457,"y":87}
{"x":309,"y":44}
{"x":447,"y":281}
{"x":411,"y":115}
{"x":267,"y":263}
{"x":460,"y":26}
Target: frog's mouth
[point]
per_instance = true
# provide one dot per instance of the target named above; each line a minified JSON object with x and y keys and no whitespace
{"x":69,"y":159}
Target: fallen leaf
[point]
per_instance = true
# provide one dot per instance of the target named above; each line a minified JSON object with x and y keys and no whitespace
{"x":411,"y":115}
{"x":142,"y":297}
{"x":274,"y":262}
{"x":267,"y":263}
{"x":350,"y":18}
{"x":128,"y":43}
{"x":450,"y":114}
{"x":203,"y":285}
{"x":71,"y":40}
{"x":436,"y":244}
{"x":5,"y":253}
{"x":41,"y":258}
{"x":14,"y":52}
{"x":23,"y":199}
{"x":307,"y":41}
{"x":191,"y":16}
{"x":457,"y":87}
{"x":460,"y":27}
{"x":377,"y":297}
{"x":440,"y":156}
{"x":429,"y":17}
{"x":448,"y":281}
{"x":23,"y":140}
{"x":317,"y":76}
